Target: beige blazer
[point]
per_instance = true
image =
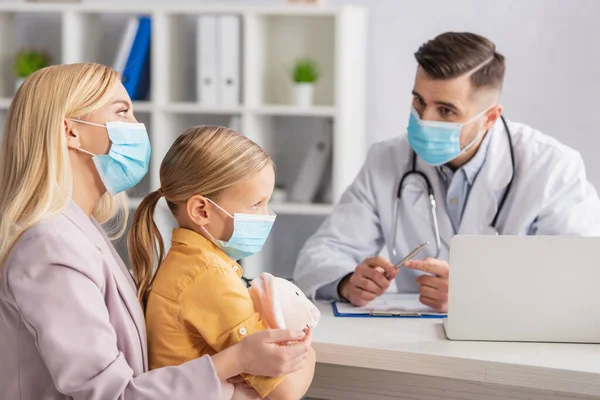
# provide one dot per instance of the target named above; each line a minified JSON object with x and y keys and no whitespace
{"x":71,"y":325}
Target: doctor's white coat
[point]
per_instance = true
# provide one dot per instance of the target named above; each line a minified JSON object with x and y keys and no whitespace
{"x":550,"y":195}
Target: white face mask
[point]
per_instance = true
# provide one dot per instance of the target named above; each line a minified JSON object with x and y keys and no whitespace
{"x":438,"y":142}
{"x":250,"y":232}
{"x":128,"y":159}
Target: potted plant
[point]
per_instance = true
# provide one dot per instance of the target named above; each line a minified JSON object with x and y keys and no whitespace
{"x":27,"y":62}
{"x":305,"y":75}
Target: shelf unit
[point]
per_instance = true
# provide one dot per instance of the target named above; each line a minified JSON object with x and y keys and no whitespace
{"x":273,"y":37}
{"x":278,"y":208}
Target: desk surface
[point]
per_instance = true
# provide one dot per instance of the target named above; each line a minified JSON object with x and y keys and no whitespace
{"x":420,"y":346}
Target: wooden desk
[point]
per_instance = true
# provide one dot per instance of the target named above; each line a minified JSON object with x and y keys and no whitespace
{"x":393,"y":358}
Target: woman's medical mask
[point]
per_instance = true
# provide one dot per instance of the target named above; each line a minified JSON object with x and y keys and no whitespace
{"x":250,"y":232}
{"x":437,"y":142}
{"x":127,"y":161}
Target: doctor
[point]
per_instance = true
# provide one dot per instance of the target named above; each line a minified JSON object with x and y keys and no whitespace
{"x":461,"y":169}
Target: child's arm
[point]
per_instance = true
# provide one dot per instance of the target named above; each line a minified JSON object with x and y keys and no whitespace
{"x":295,"y":385}
{"x":216,"y":307}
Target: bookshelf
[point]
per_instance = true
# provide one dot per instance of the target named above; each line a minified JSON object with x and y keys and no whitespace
{"x":272,"y":37}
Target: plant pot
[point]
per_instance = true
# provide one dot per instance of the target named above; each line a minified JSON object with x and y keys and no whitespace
{"x":303,"y":94}
{"x":18,"y":83}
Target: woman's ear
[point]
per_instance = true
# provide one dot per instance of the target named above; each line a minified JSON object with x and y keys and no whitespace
{"x":71,"y":135}
{"x":197,"y":210}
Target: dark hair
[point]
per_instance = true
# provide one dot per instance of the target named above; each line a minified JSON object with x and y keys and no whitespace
{"x":453,"y":54}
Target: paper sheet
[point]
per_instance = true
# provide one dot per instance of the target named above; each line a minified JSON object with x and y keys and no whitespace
{"x":388,"y":302}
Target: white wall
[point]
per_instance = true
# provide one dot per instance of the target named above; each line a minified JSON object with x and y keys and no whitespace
{"x":553,"y":73}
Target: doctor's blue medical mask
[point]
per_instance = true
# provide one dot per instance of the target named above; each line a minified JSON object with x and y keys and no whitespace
{"x":250,"y":232}
{"x":127,"y":161}
{"x":438,"y":142}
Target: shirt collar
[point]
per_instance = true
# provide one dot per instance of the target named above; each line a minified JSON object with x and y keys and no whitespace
{"x":473,"y":166}
{"x":197,"y":242}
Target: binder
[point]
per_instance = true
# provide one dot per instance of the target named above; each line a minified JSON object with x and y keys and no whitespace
{"x":136,"y":75}
{"x":313,"y":168}
{"x":206,"y":60}
{"x":229,"y":37}
{"x":126,"y":44}
{"x":397,"y":305}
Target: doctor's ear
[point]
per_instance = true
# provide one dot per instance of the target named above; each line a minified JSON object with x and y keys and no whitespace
{"x":71,"y":135}
{"x":197,"y":210}
{"x":492,"y":117}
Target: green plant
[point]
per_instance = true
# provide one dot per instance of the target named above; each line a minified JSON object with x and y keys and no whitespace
{"x":306,"y":70}
{"x":29,"y":61}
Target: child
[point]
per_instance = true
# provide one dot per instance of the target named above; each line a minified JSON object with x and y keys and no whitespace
{"x":217,"y":183}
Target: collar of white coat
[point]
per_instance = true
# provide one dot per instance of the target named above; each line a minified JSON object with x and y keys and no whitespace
{"x":489,"y":187}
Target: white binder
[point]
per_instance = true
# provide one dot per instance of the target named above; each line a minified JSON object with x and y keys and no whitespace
{"x":206,"y":61}
{"x":229,"y":38}
{"x":311,"y":173}
{"x":125,"y":45}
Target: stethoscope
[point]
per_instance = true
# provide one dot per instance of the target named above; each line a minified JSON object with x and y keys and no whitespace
{"x":436,"y":229}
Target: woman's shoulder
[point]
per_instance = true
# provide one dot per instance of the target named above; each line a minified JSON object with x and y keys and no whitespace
{"x":58,"y":229}
{"x":53,"y":230}
{"x":55,"y":241}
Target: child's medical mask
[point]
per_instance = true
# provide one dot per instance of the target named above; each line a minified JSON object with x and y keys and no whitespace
{"x":250,"y":232}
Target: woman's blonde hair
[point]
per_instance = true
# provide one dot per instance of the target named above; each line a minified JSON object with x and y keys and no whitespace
{"x":35,"y":170}
{"x":204,"y":160}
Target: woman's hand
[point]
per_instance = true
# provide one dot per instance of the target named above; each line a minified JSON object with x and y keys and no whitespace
{"x":273,"y":353}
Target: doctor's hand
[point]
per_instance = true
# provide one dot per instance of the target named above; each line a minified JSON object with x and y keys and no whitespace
{"x":433,"y":289}
{"x":368,"y":281}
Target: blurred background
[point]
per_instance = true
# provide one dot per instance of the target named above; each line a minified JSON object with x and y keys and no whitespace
{"x":315,"y":85}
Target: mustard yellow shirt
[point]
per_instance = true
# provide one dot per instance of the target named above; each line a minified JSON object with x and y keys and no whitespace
{"x":199,"y":305}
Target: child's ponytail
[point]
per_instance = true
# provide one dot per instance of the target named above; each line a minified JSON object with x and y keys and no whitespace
{"x":145,"y":245}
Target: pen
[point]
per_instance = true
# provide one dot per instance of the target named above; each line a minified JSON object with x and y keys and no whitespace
{"x":412,"y":254}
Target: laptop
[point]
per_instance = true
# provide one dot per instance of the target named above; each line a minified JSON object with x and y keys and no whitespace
{"x":524,"y":288}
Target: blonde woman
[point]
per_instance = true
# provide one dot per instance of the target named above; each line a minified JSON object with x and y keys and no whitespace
{"x":70,"y":321}
{"x":217,"y":184}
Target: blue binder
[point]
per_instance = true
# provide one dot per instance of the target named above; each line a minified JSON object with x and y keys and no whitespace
{"x":386,"y":314}
{"x":136,"y":76}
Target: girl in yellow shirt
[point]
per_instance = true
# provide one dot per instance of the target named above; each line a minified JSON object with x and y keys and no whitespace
{"x":217,"y":183}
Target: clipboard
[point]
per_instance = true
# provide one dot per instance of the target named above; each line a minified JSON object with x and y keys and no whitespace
{"x":389,"y":306}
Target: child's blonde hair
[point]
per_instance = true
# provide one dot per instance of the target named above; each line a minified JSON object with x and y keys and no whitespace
{"x":204,"y":160}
